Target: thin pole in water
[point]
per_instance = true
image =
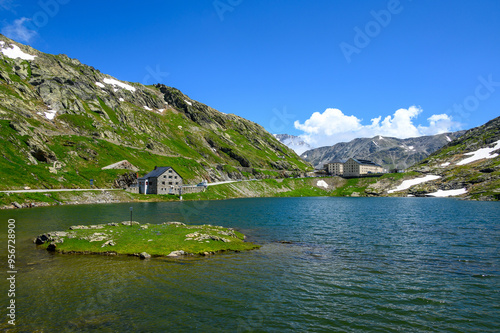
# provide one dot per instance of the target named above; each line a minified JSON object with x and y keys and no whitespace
{"x":131,"y":209}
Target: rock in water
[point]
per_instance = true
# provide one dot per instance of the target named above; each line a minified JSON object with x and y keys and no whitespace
{"x":144,"y":255}
{"x":176,"y":253}
{"x":41,"y":239}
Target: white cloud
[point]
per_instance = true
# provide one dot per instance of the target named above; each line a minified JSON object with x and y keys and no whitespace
{"x":332,"y":126}
{"x":439,"y":123}
{"x":336,"y":120}
{"x":18,"y":31}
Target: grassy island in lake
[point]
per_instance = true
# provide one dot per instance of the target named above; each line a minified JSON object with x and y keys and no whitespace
{"x":131,"y":238}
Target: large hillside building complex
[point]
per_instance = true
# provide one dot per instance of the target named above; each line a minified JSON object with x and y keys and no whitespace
{"x":335,"y":168}
{"x":353,"y":168}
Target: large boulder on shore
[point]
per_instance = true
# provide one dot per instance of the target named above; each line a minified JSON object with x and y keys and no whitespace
{"x":176,"y":253}
{"x":144,"y":255}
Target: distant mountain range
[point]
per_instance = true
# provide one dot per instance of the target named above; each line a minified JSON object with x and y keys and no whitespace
{"x":293,"y":142}
{"x":391,"y":153}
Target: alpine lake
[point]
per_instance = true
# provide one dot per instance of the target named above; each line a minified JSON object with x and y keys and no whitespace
{"x":325,"y":265}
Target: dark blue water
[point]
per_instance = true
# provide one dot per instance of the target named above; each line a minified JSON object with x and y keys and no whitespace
{"x":353,"y":264}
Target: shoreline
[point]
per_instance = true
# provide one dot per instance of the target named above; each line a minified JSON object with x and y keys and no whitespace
{"x":44,"y":204}
{"x":267,"y":188}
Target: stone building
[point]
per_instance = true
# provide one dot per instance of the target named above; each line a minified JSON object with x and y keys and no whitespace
{"x":335,"y":168}
{"x":162,"y":180}
{"x":358,"y":167}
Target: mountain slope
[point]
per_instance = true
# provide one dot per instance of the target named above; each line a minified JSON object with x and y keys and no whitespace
{"x":62,"y":121}
{"x":293,"y":142}
{"x":472,"y":162}
{"x":389,"y":152}
{"x":468,"y":167}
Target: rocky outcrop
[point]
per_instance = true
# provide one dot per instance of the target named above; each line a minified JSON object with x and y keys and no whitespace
{"x":174,"y":223}
{"x":53,"y":237}
{"x":199,"y":237}
{"x":108,"y":243}
{"x":130,"y":223}
{"x":176,"y":253}
{"x":125,"y":180}
{"x":144,"y":255}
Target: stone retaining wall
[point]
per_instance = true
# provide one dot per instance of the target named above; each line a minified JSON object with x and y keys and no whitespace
{"x":185,"y":189}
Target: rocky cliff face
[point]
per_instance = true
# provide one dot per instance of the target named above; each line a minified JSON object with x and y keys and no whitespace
{"x":62,"y":121}
{"x":391,"y":153}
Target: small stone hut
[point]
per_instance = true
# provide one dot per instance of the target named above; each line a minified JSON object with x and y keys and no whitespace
{"x":162,"y":180}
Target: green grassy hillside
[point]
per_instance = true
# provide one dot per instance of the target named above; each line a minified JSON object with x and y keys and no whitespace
{"x":62,"y":121}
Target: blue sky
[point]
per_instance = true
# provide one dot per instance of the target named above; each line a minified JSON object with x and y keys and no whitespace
{"x":327,"y":70}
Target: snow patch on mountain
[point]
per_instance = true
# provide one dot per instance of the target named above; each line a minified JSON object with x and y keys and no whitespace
{"x":116,"y":83}
{"x":322,"y":183}
{"x":293,"y":142}
{"x":448,"y":193}
{"x":481,"y":154}
{"x":14,"y":52}
{"x":406,"y":184}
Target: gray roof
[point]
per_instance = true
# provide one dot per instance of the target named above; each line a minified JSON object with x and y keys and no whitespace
{"x":157,"y":172}
{"x":338,"y":161}
{"x":366,"y":162}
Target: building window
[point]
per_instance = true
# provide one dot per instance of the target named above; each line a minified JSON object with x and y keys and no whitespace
{"x":164,"y":176}
{"x":163,"y":183}
{"x":169,"y":183}
{"x":170,"y":177}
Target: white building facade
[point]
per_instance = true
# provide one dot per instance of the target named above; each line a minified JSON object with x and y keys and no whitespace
{"x":358,"y":167}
